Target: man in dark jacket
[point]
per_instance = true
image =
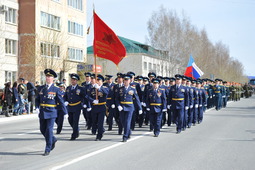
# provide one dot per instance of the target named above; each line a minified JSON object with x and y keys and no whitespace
{"x":31,"y":96}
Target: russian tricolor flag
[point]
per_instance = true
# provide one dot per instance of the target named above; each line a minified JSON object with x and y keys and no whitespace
{"x":192,"y":69}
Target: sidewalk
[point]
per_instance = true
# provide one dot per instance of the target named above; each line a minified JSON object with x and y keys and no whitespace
{"x":3,"y":118}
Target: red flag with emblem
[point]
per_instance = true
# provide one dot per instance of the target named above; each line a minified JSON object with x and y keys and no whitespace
{"x":106,"y":43}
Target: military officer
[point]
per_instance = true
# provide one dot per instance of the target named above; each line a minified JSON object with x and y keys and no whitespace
{"x":46,"y":106}
{"x":217,"y":90}
{"x":125,"y":102}
{"x":60,"y":119}
{"x":177,"y":100}
{"x":110,"y":101}
{"x":141,"y":116}
{"x":97,"y":103}
{"x":185,"y":116}
{"x":201,"y":101}
{"x":75,"y":101}
{"x":156,"y":105}
{"x":86,"y":85}
{"x":170,"y":111}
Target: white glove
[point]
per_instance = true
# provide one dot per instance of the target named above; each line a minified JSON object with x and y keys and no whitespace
{"x":66,"y":116}
{"x":200,"y":105}
{"x":95,"y":101}
{"x":97,"y":86}
{"x":66,"y":103}
{"x":140,"y":112}
{"x":88,"y":109}
{"x":84,"y":106}
{"x":168,"y":106}
{"x":113,"y":106}
{"x":223,"y":96}
{"x":191,"y":106}
{"x":213,"y":95}
{"x":144,"y":104}
{"x":210,"y":97}
{"x":186,"y":107}
{"x":164,"y":110}
{"x":205,"y":105}
{"x":120,"y":108}
{"x":196,"y":105}
{"x":37,"y":111}
{"x":148,"y":109}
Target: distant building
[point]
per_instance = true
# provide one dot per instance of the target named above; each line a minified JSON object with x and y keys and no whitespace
{"x":51,"y":35}
{"x":141,"y":59}
{"x":8,"y":40}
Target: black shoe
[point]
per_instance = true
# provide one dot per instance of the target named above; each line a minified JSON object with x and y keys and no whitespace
{"x":72,"y":138}
{"x":53,"y":145}
{"x":178,"y":132}
{"x":151,"y":130}
{"x":109,"y":129}
{"x":46,"y":153}
{"x":78,"y":135}
{"x":58,"y":133}
{"x":120,"y":133}
{"x":129,"y":137}
{"x":189,"y":126}
{"x":124,"y":140}
{"x":98,"y":139}
{"x":88,"y":128}
{"x":155,"y":135}
{"x":93,"y":133}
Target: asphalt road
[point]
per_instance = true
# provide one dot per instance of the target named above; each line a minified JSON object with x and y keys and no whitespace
{"x":225,"y":140}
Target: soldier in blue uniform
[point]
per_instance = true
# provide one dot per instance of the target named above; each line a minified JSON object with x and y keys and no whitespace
{"x":227,"y":94}
{"x":217,"y":90}
{"x":185,"y":116}
{"x":97,"y":103}
{"x":205,"y":86}
{"x":141,"y":116}
{"x":46,"y":106}
{"x":170,"y":111}
{"x":60,"y":119}
{"x":156,"y":105}
{"x":116,"y":89}
{"x":192,"y":96}
{"x":139,"y":92}
{"x":110,"y":101}
{"x":86,"y":85}
{"x":125,"y":102}
{"x":148,"y":86}
{"x":75,"y":101}
{"x":201,"y":101}
{"x":177,"y":100}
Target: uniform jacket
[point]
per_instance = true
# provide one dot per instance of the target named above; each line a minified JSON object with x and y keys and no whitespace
{"x":102,"y":95}
{"x":156,"y":100}
{"x":178,"y":97}
{"x":217,"y":90}
{"x":75,"y":98}
{"x":47,"y":100}
{"x":201,"y":97}
{"x":128,"y":98}
{"x":110,"y":96}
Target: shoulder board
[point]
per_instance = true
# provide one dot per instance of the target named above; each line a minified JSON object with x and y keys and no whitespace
{"x":162,"y":89}
{"x":105,"y":87}
{"x":131,"y":87}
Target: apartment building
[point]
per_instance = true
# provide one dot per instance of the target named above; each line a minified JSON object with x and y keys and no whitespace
{"x":51,"y":35}
{"x":8,"y":40}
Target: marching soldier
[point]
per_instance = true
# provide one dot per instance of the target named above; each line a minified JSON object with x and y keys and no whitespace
{"x":177,"y":100}
{"x":156,"y":105}
{"x":170,"y":111}
{"x":98,"y":106}
{"x":141,"y":116}
{"x":126,"y":100}
{"x":217,"y":90}
{"x":86,"y":86}
{"x":46,"y":106}
{"x":201,"y":102}
{"x":60,"y":119}
{"x":75,"y":101}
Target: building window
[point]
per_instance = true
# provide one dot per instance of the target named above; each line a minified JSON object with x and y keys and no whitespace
{"x":10,"y":46}
{"x":75,"y":28}
{"x":145,"y":65}
{"x":150,"y":66}
{"x":75,"y":54}
{"x":154,"y":67}
{"x":11,"y":15}
{"x":50,"y":50}
{"x":77,"y":4}
{"x":50,"y":21}
{"x":10,"y":76}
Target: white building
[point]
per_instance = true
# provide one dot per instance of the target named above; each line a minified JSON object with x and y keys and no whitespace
{"x":141,"y":59}
{"x":8,"y":40}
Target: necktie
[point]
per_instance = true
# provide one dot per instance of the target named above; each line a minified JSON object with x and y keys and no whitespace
{"x":47,"y":86}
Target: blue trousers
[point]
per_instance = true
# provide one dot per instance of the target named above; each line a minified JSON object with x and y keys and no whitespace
{"x":195,"y":115}
{"x":179,"y":113}
{"x":155,"y":120}
{"x":98,"y":121}
{"x":169,"y":117}
{"x":200,"y":114}
{"x":125,"y":117}
{"x":46,"y":128}
{"x":218,"y":102}
{"x":190,"y":116}
{"x":110,"y":116}
{"x":73,"y":119}
{"x":185,"y":119}
{"x":59,"y":121}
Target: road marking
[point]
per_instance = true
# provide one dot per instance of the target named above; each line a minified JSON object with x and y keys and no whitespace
{"x":34,"y":131}
{"x":96,"y":152}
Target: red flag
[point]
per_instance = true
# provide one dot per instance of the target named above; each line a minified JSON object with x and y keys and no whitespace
{"x":106,"y":43}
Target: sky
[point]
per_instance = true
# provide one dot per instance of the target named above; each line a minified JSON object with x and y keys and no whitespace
{"x":230,"y":21}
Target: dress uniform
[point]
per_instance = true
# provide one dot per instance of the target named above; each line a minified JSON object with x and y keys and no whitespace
{"x":217,"y":90}
{"x":110,"y":101}
{"x":60,"y":119}
{"x":98,"y":106}
{"x":185,"y":116}
{"x":163,"y":87}
{"x":170,"y":111}
{"x":125,"y":102}
{"x":141,"y":116}
{"x":177,"y":100}
{"x":156,"y":105}
{"x":201,"y":102}
{"x":193,"y":96}
{"x":85,"y":113}
{"x":139,"y":92}
{"x":75,"y":101}
{"x":46,"y":105}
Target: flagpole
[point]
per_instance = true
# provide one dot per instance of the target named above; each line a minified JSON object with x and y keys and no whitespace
{"x":95,"y":67}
